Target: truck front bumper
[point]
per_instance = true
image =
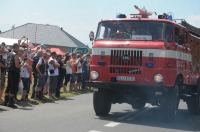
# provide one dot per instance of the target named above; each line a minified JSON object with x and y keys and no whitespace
{"x":121,"y":86}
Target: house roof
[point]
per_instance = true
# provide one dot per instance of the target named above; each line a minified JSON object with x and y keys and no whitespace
{"x":44,"y":34}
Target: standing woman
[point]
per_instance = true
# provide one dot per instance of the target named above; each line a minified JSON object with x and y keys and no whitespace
{"x":67,"y":72}
{"x":79,"y":72}
{"x":26,"y":70}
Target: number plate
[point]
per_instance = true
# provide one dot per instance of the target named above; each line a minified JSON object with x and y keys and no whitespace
{"x":125,"y":78}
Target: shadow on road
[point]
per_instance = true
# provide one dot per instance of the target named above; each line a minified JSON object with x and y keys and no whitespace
{"x":1,"y":110}
{"x":154,"y":117}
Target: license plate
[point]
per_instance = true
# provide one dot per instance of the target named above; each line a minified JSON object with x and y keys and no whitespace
{"x":125,"y":78}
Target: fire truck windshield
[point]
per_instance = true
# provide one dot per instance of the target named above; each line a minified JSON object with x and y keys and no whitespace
{"x":135,"y":30}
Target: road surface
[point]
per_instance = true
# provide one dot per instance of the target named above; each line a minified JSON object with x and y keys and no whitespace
{"x":76,"y":115}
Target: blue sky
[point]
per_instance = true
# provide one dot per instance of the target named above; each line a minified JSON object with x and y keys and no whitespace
{"x":79,"y":17}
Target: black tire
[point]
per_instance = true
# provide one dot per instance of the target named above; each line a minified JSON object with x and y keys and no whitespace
{"x":171,"y":103}
{"x":139,"y":104}
{"x":101,"y":102}
{"x":193,"y":103}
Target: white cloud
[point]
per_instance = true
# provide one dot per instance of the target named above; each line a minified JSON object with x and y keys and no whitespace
{"x":194,"y":20}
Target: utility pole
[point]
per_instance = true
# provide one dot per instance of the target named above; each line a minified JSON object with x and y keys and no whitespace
{"x":13,"y":28}
{"x":35,"y":35}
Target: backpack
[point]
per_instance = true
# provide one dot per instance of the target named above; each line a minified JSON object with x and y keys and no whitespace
{"x":35,"y":61}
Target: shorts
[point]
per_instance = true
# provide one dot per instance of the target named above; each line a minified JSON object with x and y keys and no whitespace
{"x":2,"y":83}
{"x":79,"y":77}
{"x":67,"y":79}
{"x":41,"y":81}
{"x":73,"y":78}
{"x":26,"y":83}
{"x":53,"y":84}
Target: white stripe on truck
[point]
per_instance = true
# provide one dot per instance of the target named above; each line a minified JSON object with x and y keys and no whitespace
{"x":145,"y":52}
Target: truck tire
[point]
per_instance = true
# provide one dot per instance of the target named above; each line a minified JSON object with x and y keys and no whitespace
{"x":171,"y":103}
{"x":101,"y":102}
{"x":139,"y":104}
{"x":193,"y":103}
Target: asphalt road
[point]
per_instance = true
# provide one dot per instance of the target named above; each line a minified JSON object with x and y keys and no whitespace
{"x":76,"y":115}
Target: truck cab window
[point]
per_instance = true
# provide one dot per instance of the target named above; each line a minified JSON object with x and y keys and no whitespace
{"x":134,"y":30}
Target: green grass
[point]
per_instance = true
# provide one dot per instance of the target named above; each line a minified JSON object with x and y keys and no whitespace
{"x":63,"y":96}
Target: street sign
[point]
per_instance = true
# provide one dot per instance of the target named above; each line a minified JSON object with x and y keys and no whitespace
{"x":80,"y":50}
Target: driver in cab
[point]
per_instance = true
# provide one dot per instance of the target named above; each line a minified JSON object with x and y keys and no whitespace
{"x":121,"y":33}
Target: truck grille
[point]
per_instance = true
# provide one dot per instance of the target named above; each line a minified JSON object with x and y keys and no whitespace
{"x":126,"y":57}
{"x":125,"y":70}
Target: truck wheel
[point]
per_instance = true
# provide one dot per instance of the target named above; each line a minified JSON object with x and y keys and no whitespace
{"x":171,"y":103}
{"x":193,"y":103}
{"x":101,"y":102}
{"x":139,"y":104}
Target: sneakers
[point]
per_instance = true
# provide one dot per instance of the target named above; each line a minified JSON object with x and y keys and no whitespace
{"x":12,"y":106}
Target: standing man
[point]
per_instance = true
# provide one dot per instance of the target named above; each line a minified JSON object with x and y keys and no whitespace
{"x":41,"y":70}
{"x":86,"y":70}
{"x":61,"y":75}
{"x":13,"y":77}
{"x":53,"y":73}
{"x":35,"y":72}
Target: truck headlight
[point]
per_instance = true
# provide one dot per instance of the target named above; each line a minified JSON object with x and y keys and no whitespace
{"x":94,"y":75}
{"x":158,"y":78}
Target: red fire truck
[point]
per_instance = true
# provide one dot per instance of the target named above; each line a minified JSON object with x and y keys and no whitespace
{"x":141,"y":60}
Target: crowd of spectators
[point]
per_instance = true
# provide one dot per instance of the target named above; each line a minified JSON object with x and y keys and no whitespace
{"x":47,"y":71}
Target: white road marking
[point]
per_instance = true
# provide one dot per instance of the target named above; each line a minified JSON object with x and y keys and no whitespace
{"x":112,"y":124}
{"x":94,"y":131}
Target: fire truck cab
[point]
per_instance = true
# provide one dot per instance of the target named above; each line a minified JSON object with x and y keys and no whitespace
{"x":143,"y":60}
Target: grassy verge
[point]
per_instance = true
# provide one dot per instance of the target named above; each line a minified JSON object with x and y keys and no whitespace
{"x":63,"y":96}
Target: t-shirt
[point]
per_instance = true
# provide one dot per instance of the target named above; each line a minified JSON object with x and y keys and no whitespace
{"x":68,"y":68}
{"x":85,"y":67}
{"x":51,"y":67}
{"x":72,"y":61}
{"x":79,"y":70}
{"x":24,"y":72}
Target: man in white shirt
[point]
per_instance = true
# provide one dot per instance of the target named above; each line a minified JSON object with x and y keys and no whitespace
{"x":53,"y":73}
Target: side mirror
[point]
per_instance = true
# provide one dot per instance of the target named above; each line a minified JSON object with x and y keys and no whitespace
{"x":181,"y":39}
{"x":91,"y":36}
